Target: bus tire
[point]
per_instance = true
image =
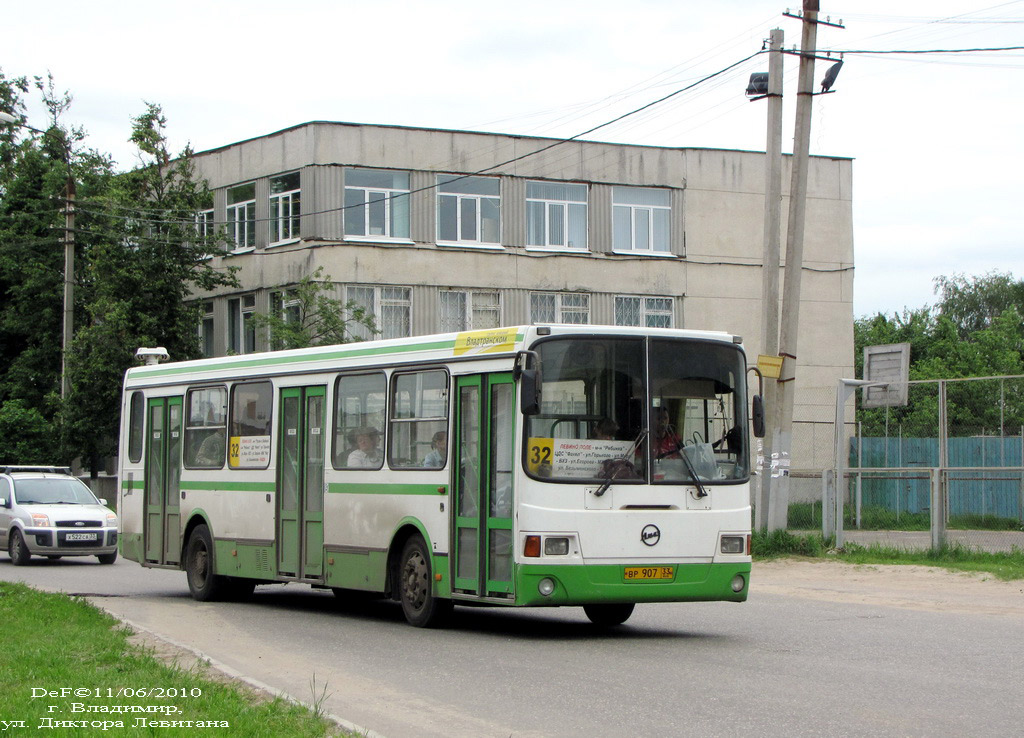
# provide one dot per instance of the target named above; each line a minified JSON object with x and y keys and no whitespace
{"x":608,"y":615}
{"x":18,"y":549}
{"x":203,"y":584}
{"x":415,"y":587}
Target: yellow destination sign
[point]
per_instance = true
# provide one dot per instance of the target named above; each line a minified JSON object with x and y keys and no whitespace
{"x":485,"y":342}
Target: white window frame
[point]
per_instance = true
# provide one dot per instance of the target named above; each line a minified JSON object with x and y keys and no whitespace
{"x":641,"y":220}
{"x":475,"y":304}
{"x":648,"y":309}
{"x":206,"y":330}
{"x":285,"y":209}
{"x":241,"y":220}
{"x":372,"y":195}
{"x":386,"y":299}
{"x":548,"y":206}
{"x":241,"y":324}
{"x":563,"y":307}
{"x":455,"y":187}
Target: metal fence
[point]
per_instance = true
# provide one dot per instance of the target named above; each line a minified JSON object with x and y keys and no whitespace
{"x":946,"y":468}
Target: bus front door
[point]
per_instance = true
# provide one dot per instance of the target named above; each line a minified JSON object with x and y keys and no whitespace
{"x":300,"y":483}
{"x":485,"y":451}
{"x":162,"y":528}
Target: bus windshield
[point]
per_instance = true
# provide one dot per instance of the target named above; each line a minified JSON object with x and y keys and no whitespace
{"x":640,"y":410}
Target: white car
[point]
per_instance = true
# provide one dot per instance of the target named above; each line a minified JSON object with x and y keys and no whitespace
{"x":46,"y":511}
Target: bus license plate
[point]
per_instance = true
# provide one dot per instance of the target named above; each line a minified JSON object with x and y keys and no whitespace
{"x":649,"y":573}
{"x":80,"y":537}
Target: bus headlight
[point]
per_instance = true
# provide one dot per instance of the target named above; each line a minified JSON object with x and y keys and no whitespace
{"x":732,"y":544}
{"x":738,"y":583}
{"x":556,"y":546}
{"x":546,"y":586}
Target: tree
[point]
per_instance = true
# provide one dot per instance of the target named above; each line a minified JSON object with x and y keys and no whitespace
{"x":35,"y":168}
{"x":974,"y":303}
{"x":311,"y":317}
{"x":138,"y":282}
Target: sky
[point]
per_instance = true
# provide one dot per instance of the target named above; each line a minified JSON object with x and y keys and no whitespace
{"x":936,"y":139}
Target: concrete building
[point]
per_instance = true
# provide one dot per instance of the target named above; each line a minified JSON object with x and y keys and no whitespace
{"x":436,"y":230}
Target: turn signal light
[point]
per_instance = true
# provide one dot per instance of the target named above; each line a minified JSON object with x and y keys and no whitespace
{"x":532,"y":547}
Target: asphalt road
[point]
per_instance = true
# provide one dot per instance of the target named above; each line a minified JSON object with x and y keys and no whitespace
{"x":815,"y":658}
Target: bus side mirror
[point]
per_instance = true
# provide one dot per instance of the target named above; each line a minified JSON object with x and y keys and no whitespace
{"x":527,"y":373}
{"x":758,"y":417}
{"x":529,"y":392}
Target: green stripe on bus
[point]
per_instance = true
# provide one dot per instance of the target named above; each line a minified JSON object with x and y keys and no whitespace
{"x":269,"y":361}
{"x":133,"y":484}
{"x":356,"y":488}
{"x":229,"y":486}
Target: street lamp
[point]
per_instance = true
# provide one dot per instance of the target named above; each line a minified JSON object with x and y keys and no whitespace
{"x":69,"y":253}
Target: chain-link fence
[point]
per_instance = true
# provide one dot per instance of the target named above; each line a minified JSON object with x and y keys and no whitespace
{"x":946,"y":468}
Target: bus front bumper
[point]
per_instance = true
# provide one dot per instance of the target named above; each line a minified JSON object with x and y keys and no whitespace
{"x":539,"y":585}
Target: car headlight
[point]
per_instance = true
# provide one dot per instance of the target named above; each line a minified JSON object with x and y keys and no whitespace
{"x":40,"y":520}
{"x":111,"y":519}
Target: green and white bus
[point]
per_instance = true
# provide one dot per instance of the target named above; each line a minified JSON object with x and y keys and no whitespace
{"x":588,"y":465}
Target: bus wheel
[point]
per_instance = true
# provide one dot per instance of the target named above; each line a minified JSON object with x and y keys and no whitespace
{"x":203,"y":584}
{"x":415,"y":588}
{"x":17,"y":549}
{"x":609,"y":615}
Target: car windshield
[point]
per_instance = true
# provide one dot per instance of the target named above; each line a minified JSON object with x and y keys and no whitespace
{"x":660,"y":410}
{"x":53,"y":491}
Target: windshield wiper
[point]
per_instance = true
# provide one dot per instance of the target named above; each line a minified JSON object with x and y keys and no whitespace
{"x":617,"y":464}
{"x":701,"y":492}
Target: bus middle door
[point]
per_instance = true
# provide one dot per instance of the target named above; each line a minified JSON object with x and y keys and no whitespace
{"x":484,"y":452}
{"x":300,"y":483}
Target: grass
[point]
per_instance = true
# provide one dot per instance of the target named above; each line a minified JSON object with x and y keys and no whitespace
{"x":1006,"y":566}
{"x":52,"y":641}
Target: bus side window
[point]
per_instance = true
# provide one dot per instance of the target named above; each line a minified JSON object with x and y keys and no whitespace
{"x":418,"y":424}
{"x":359,"y":404}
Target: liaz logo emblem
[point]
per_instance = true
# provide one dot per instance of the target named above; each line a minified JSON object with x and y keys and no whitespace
{"x":650,"y":535}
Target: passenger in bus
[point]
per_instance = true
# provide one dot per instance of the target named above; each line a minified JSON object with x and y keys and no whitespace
{"x":367,"y":456}
{"x":605,"y":429}
{"x":438,"y":451}
{"x":666,"y":442}
{"x":211,"y":451}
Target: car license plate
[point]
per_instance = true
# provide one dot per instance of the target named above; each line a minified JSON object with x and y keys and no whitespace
{"x":649,"y":573}
{"x":80,"y":537}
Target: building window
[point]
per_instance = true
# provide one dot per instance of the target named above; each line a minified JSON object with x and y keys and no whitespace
{"x":376,"y":203}
{"x":288,"y":308}
{"x":559,"y":307}
{"x":556,"y":215}
{"x":242,"y":324}
{"x":468,"y":209}
{"x":285,"y":207}
{"x":206,"y":345}
{"x":640,"y":220}
{"x":650,"y":312}
{"x":468,"y":310}
{"x":204,"y":224}
{"x":391,"y":308}
{"x":241,"y":214}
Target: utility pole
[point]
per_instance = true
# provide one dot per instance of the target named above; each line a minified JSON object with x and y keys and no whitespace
{"x":782,"y":433}
{"x":770,"y":271}
{"x":69,"y":281}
